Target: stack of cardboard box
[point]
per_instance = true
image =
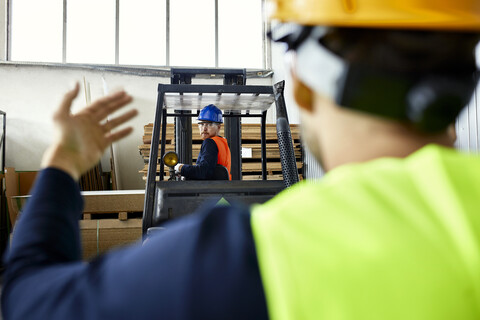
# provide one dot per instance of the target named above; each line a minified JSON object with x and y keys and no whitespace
{"x":110,"y":218}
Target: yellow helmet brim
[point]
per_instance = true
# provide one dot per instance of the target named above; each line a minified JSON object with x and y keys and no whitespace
{"x":400,"y":14}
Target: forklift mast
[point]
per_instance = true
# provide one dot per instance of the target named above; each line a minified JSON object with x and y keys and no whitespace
{"x":165,"y":200}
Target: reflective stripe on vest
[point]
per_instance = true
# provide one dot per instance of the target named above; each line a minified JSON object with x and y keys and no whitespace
{"x":224,"y":156}
{"x":387,"y":239}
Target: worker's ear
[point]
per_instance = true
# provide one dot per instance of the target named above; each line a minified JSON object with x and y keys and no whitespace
{"x":303,"y":95}
{"x":452,"y":133}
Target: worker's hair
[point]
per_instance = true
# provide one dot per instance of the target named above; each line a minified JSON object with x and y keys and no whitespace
{"x":405,"y":51}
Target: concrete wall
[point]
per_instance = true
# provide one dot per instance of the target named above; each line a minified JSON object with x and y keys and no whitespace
{"x":30,"y":94}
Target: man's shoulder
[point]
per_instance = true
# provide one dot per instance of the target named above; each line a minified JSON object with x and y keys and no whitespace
{"x":209,"y":145}
{"x":209,"y":141}
{"x":381,"y":183}
{"x":382,"y":192}
{"x":217,"y":139}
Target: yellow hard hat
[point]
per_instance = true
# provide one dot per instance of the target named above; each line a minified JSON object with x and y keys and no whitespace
{"x":411,"y":14}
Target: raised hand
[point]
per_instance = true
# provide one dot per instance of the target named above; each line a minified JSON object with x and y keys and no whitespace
{"x":83,"y":137}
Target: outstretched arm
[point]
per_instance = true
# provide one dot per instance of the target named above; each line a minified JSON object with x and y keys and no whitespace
{"x":44,"y":254}
{"x":201,"y":267}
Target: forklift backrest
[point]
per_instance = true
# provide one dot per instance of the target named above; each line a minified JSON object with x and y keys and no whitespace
{"x":220,"y":173}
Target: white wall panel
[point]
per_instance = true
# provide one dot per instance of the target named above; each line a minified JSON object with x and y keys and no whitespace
{"x":467,"y":126}
{"x":30,"y":94}
{"x":312,"y":170}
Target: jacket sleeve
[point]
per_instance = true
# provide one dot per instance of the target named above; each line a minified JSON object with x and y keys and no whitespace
{"x":201,"y":267}
{"x":45,"y":236}
{"x":206,"y":162}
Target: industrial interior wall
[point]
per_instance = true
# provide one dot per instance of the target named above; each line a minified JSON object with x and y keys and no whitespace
{"x":467,"y":124}
{"x":29,"y":94}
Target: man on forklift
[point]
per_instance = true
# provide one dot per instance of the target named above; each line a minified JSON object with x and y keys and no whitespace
{"x":214,"y":150}
{"x":391,"y":232}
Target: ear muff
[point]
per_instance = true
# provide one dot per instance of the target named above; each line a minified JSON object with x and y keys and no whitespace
{"x":424,"y":78}
{"x":430,"y":103}
{"x":434,"y":102}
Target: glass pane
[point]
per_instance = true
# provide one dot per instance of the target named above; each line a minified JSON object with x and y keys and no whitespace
{"x":240,"y":37}
{"x":37,"y":37}
{"x":91,"y":31}
{"x":142,"y":32}
{"x":192,"y":33}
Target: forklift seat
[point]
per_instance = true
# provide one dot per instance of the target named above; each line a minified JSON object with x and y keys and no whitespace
{"x":220,"y":173}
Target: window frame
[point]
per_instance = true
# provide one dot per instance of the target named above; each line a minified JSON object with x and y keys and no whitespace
{"x":262,"y":72}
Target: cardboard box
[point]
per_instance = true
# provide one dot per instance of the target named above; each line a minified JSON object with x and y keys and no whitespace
{"x":99,"y":234}
{"x":113,"y":201}
{"x":17,"y":184}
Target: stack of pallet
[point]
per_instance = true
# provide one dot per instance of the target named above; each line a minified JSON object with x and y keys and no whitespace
{"x":251,"y":150}
{"x":110,"y":218}
{"x":93,"y":180}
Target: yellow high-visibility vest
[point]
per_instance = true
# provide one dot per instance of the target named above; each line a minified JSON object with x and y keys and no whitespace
{"x":388,"y":239}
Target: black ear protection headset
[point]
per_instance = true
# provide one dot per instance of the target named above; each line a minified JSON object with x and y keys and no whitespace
{"x":429,"y":100}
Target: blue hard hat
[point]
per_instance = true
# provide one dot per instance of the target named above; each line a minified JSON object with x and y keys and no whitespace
{"x":210,"y":113}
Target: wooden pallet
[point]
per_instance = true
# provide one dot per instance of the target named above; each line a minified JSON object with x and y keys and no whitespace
{"x":251,"y":165}
{"x":122,"y":215}
{"x":250,"y":131}
{"x":272,"y":150}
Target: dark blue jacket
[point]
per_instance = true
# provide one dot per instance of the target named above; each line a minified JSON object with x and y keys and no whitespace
{"x":204,"y":167}
{"x":201,"y":267}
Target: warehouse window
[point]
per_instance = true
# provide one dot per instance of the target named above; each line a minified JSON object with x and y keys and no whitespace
{"x":192,"y":33}
{"x":240,"y":32}
{"x":146,"y":18}
{"x":42,"y":42}
{"x":90,"y":31}
{"x":200,"y":33}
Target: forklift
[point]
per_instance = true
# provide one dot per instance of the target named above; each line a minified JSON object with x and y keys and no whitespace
{"x":166,"y":200}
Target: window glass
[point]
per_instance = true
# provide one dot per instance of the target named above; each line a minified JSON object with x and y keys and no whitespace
{"x":37,"y":30}
{"x":192,"y":33}
{"x":240,"y":36}
{"x":91,"y":31}
{"x":142,"y":32}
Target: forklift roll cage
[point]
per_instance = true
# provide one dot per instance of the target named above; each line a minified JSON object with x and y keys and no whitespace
{"x":233,"y":98}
